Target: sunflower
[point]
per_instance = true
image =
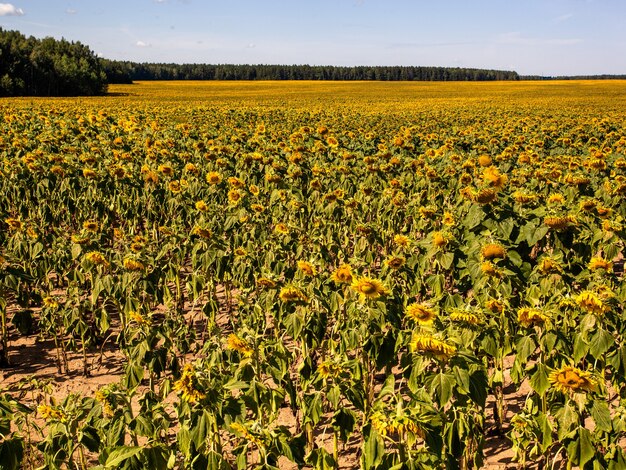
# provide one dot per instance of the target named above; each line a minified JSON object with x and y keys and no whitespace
{"x":591,"y":302}
{"x":524,"y":197}
{"x":281,"y":229}
{"x":240,"y":251}
{"x":189,"y":386}
{"x":368,"y":287}
{"x":14,"y":224}
{"x":469,"y":318}
{"x":448,"y":219}
{"x":307,"y":268}
{"x":234,"y":196}
{"x":597,"y":262}
{"x":420,"y":313}
{"x":490,"y":269}
{"x":132,"y":264}
{"x":201,"y":232}
{"x":484,"y":160}
{"x":96,"y":258}
{"x":235,"y":343}
{"x":549,"y":265}
{"x":429,"y":344}
{"x":202,"y":206}
{"x":401,"y":240}
{"x":484,"y":196}
{"x":427,"y":212}
{"x":291,"y":294}
{"x":556,"y":198}
{"x":342,"y":275}
{"x":570,"y":379}
{"x":265,"y":282}
{"x":531,"y":316}
{"x":492,"y":251}
{"x":395,"y":262}
{"x":50,"y":302}
{"x":440,"y":239}
{"x":214,"y":177}
{"x":89,"y":173}
{"x":49,"y":413}
{"x":495,"y":306}
{"x":558,"y":222}
{"x":494,"y":178}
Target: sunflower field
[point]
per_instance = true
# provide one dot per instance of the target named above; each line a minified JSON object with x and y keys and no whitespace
{"x":316,"y":275}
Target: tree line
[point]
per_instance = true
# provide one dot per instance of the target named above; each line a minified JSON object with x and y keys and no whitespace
{"x":48,"y":67}
{"x":126,"y":72}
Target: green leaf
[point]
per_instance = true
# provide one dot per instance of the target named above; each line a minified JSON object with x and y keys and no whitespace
{"x":601,"y":415}
{"x":581,"y":450}
{"x":120,"y":454}
{"x":600,"y":343}
{"x":441,"y":385}
{"x":525,"y":346}
{"x":344,"y":421}
{"x":373,"y":449}
{"x":539,"y":380}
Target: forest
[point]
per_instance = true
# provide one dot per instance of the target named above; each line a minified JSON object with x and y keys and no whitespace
{"x":48,"y":67}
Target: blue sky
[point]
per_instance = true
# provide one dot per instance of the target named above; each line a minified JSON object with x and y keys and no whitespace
{"x":545,"y":37}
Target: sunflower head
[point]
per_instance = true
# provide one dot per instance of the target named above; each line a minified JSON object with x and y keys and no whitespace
{"x":368,"y":287}
{"x":570,"y":379}
{"x":307,"y":268}
{"x":597,"y":262}
{"x":395,"y":262}
{"x":342,"y":275}
{"x":492,"y":251}
{"x":531,"y":316}
{"x":420,"y":313}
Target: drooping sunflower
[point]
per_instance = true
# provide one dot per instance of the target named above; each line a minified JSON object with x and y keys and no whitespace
{"x":14,"y":224}
{"x":420,"y":313}
{"x":591,"y":302}
{"x":492,"y":251}
{"x":462,"y":316}
{"x":527,"y":316}
{"x":96,"y":258}
{"x":429,"y":344}
{"x":597,"y":262}
{"x":132,"y":264}
{"x":236,"y":343}
{"x":291,"y":294}
{"x":570,"y":379}
{"x":368,"y":287}
{"x":490,"y":269}
{"x":265,"y":282}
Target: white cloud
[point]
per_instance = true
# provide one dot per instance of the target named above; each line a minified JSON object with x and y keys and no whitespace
{"x":142,"y":44}
{"x":6,"y":9}
{"x":251,"y":45}
{"x":71,"y":11}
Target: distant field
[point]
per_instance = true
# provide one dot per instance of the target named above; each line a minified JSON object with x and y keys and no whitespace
{"x":314,"y":275}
